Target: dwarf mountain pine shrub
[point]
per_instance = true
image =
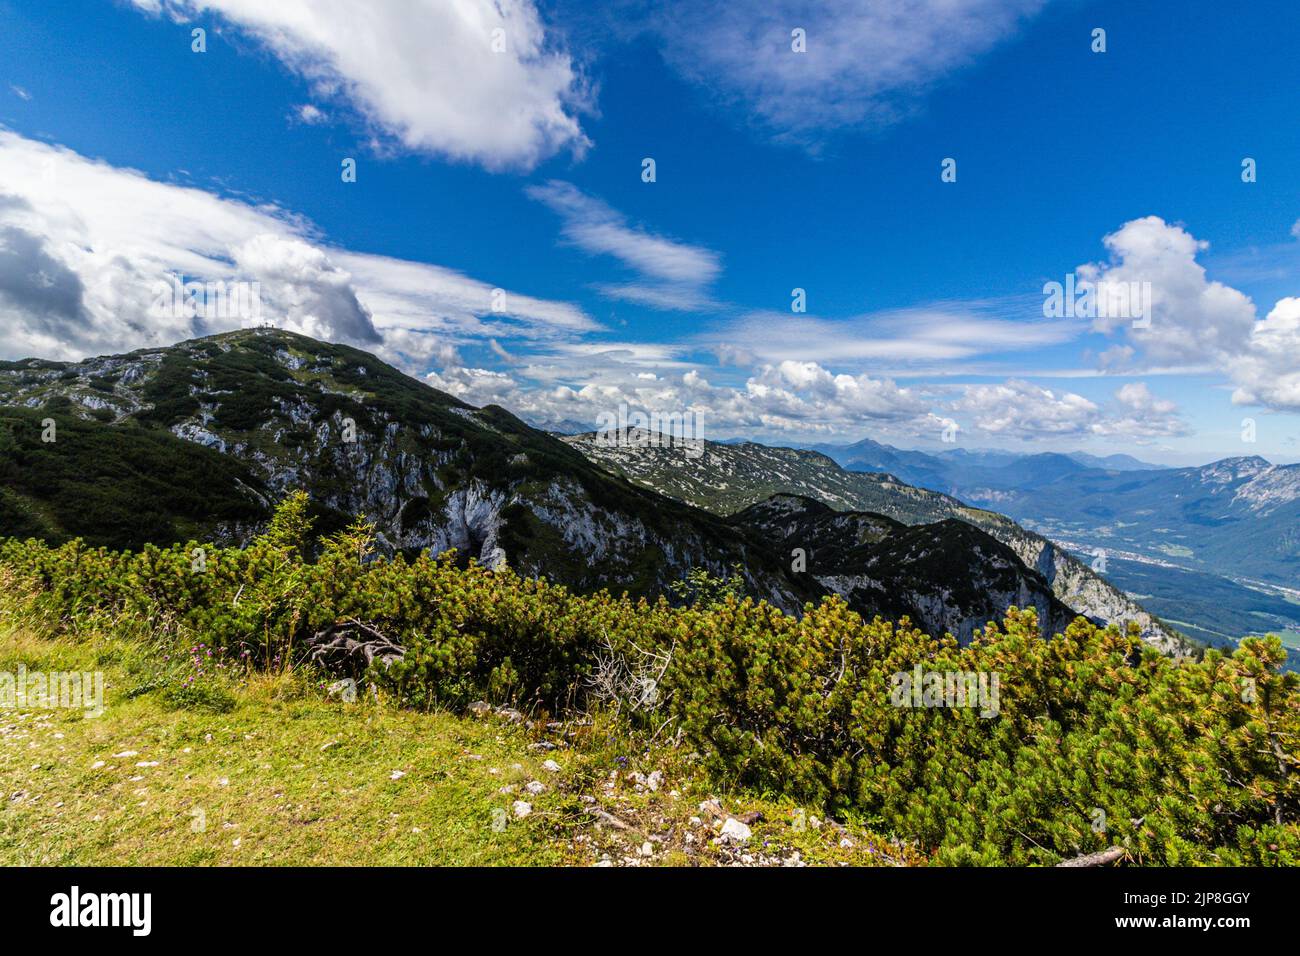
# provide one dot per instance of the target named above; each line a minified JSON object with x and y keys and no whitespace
{"x":1096,"y":739}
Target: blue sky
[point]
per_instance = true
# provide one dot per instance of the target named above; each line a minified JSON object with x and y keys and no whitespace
{"x":125,"y":155}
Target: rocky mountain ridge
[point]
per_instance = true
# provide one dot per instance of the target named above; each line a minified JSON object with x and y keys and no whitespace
{"x":727,"y":478}
{"x":433,"y":472}
{"x":898,"y":569}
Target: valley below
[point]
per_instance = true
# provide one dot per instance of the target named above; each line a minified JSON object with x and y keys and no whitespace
{"x":1163,"y":572}
{"x":1213,"y":550}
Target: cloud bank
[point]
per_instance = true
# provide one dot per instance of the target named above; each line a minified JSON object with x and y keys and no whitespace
{"x":85,"y":247}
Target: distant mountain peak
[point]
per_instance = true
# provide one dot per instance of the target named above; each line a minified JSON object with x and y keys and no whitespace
{"x":1231,"y":469}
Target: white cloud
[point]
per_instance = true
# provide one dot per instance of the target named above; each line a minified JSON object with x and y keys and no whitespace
{"x":85,"y":246}
{"x":637,"y":355}
{"x":943,"y":332}
{"x":1193,"y":318}
{"x":309,"y":115}
{"x":866,"y":66}
{"x":478,"y":386}
{"x":793,"y":398}
{"x":1136,"y":396}
{"x":417,"y":294}
{"x":1269,"y":371}
{"x":1197,"y":320}
{"x":672,"y":274}
{"x":800,"y":393}
{"x":20,"y":92}
{"x":668,"y":297}
{"x":300,"y":283}
{"x":1137,"y":414}
{"x":1024,"y":410}
{"x":424,"y":72}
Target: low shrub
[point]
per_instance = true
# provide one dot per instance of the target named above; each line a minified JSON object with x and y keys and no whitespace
{"x":1084,"y":741}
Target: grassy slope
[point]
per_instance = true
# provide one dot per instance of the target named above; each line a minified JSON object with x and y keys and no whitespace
{"x":260,"y":776}
{"x":290,"y":776}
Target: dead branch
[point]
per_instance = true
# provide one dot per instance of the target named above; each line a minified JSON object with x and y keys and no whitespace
{"x":351,"y":647}
{"x":1100,"y":858}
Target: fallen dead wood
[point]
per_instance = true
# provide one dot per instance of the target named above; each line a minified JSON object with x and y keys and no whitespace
{"x":350,"y":647}
{"x":1100,"y":858}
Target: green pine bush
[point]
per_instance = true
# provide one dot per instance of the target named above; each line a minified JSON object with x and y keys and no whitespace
{"x":1098,"y":739}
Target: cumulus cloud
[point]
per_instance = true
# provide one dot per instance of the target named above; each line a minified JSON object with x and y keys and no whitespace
{"x":1197,"y":320}
{"x":309,"y":115}
{"x":671,"y":274}
{"x":478,"y":386}
{"x":793,"y":398}
{"x":1194,"y":319}
{"x":473,"y":80}
{"x":1024,"y":410}
{"x":86,"y":249}
{"x":1269,"y":369}
{"x":796,"y":391}
{"x":301,"y":284}
{"x":1138,"y":414}
{"x":866,"y":65}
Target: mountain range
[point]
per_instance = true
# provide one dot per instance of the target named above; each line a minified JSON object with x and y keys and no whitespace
{"x":962,"y":472}
{"x":200,"y":439}
{"x":1175,"y":536}
{"x":1236,"y":516}
{"x":727,"y":478}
